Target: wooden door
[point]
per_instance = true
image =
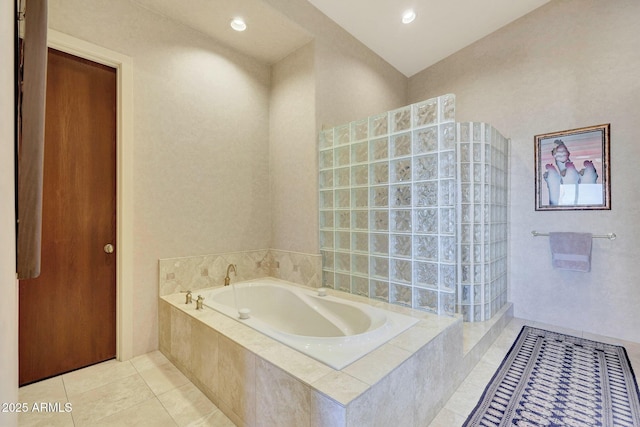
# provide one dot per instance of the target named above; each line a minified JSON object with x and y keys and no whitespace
{"x":68,"y":314}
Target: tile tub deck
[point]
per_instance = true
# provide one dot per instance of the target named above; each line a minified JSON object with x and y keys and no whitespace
{"x":256,"y":380}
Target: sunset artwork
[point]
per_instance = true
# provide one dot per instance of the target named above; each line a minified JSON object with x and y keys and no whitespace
{"x":572,"y":169}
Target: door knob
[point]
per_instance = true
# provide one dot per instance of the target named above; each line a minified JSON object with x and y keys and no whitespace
{"x":108,"y":248}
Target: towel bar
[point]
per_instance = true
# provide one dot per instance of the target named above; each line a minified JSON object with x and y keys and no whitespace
{"x":610,"y":236}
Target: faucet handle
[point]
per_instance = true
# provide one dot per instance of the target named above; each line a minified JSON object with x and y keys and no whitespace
{"x":199,"y":301}
{"x":227,"y":279}
{"x":188,"y":297}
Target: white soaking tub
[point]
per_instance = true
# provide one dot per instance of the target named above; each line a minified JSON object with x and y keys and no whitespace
{"x":332,"y":330}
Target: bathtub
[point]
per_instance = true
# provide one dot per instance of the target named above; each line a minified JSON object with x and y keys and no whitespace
{"x":332,"y":330}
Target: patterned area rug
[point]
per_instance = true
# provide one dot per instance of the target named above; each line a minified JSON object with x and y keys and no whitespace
{"x":552,"y":379}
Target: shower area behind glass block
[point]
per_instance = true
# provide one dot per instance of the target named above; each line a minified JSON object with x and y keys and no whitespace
{"x":413,"y":210}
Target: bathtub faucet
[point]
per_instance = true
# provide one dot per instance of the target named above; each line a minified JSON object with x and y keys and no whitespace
{"x":199,"y":302}
{"x":227,"y":279}
{"x":188,"y":297}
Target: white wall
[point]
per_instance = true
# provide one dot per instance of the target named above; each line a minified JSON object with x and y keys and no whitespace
{"x":314,"y":87}
{"x":201,"y":139}
{"x":569,"y":64}
{"x":352,"y":82}
{"x":203,"y":132}
{"x":292,"y":152}
{"x":333,"y":80}
{"x":8,"y":283}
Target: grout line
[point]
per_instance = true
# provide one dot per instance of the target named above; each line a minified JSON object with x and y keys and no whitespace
{"x":66,"y":394}
{"x":165,"y":408}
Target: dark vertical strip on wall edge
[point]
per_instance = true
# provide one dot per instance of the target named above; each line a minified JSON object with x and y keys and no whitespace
{"x":31,"y":140}
{"x":17,"y":73}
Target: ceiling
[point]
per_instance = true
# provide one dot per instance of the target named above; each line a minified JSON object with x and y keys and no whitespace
{"x":270,"y":36}
{"x":441,"y":27}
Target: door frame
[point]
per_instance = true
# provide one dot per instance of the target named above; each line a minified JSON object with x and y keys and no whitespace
{"x":124,"y":177}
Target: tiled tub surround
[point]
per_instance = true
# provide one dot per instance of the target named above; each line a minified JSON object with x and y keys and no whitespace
{"x":256,"y":380}
{"x":413,"y":210}
{"x":204,"y":271}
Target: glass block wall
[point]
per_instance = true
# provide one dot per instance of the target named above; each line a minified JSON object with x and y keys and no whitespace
{"x":483,"y":155}
{"x":390,"y":211}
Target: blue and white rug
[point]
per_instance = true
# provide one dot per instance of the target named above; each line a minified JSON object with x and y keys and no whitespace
{"x":552,"y":379}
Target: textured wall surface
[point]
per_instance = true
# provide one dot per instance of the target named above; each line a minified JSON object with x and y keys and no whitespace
{"x":292,"y":149}
{"x":201,"y":184}
{"x":567,"y":65}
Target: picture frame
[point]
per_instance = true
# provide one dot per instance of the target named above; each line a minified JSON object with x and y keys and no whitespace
{"x":573,"y":169}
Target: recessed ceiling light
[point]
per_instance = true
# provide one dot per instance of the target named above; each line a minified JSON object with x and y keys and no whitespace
{"x":238,"y":24}
{"x":408,"y":16}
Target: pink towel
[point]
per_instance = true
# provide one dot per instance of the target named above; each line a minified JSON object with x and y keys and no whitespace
{"x":571,"y":251}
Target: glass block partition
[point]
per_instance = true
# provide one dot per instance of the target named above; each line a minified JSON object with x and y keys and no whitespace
{"x":483,"y":155}
{"x":390,"y":211}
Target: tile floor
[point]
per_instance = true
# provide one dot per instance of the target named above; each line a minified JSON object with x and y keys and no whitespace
{"x":144,"y":391}
{"x":468,"y":394}
{"x":149,"y":391}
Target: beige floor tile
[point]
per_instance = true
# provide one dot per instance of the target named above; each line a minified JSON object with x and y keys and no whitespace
{"x":482,"y":374}
{"x":495,"y":355}
{"x":163,"y":378}
{"x":465,"y":398}
{"x":49,"y":419}
{"x":633,"y":351}
{"x":148,"y":413}
{"x":215,"y":419}
{"x":109,"y":399}
{"x":186,"y":404}
{"x":150,"y":360}
{"x":447,"y":418}
{"x":49,"y":393}
{"x":51,"y":390}
{"x":95,"y":376}
{"x":515,"y":325}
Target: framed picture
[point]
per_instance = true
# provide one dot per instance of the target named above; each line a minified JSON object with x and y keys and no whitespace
{"x":572,"y":169}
